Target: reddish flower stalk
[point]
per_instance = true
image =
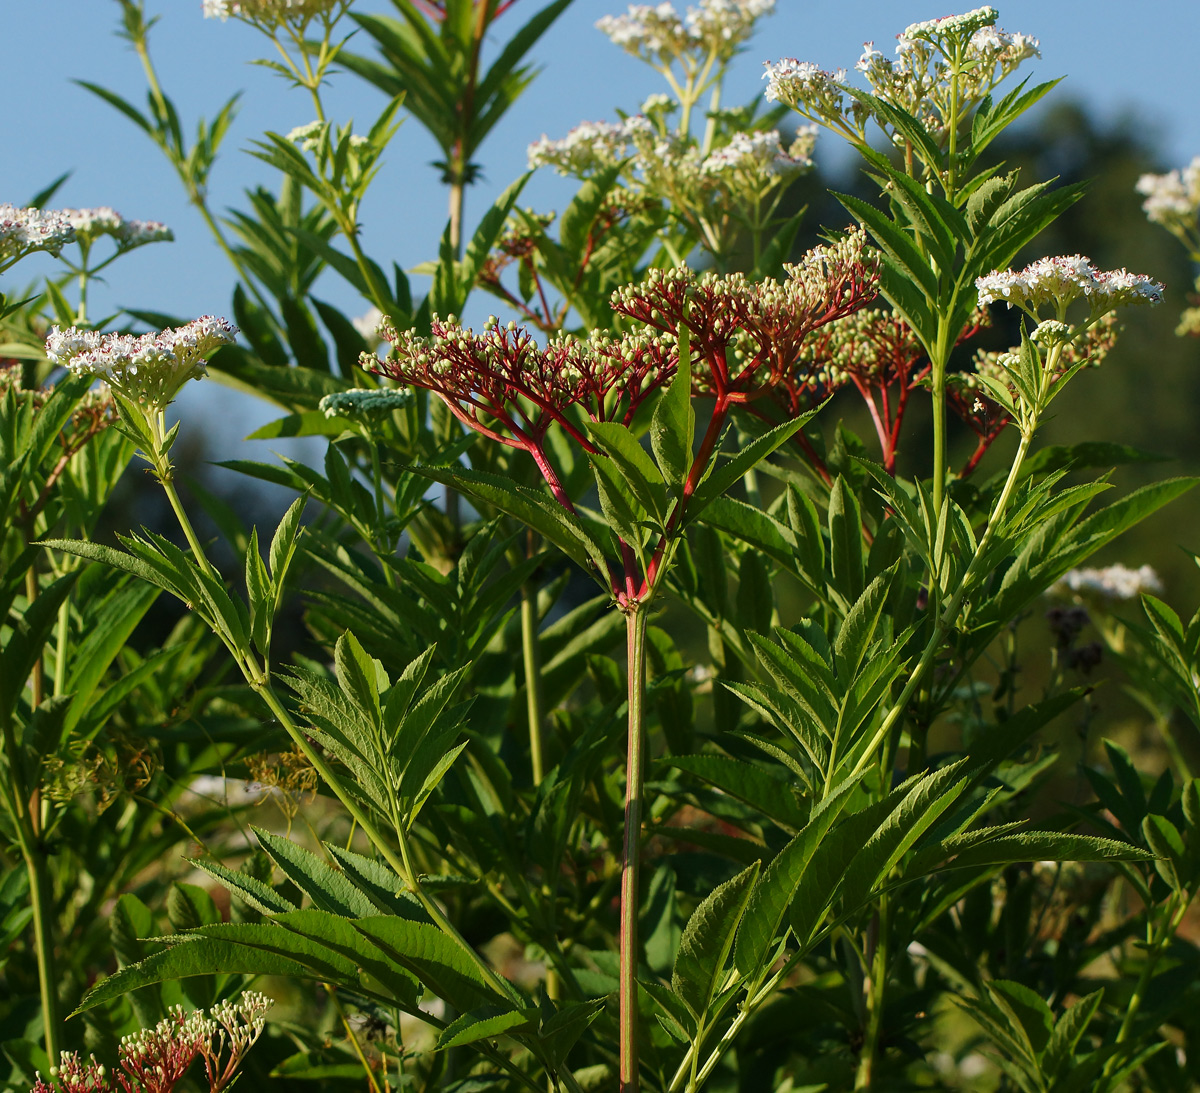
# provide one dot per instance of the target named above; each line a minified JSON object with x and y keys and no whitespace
{"x":503,"y":385}
{"x":747,"y":337}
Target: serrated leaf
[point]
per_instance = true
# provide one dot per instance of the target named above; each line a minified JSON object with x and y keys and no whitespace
{"x":708,"y":940}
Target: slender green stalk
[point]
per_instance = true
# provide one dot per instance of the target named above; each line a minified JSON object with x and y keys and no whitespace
{"x":876,"y":988}
{"x":635,"y":773}
{"x":61,"y":638}
{"x":41,"y":902}
{"x":1161,"y":938}
{"x":532,"y":653}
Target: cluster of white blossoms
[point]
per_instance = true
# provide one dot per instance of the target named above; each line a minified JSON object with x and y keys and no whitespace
{"x":1059,"y":281}
{"x":91,"y":224}
{"x":918,"y":81}
{"x":1171,"y":197}
{"x":23,"y":231}
{"x":658,"y":34}
{"x":801,"y":83}
{"x":589,"y":147}
{"x":952,"y":25}
{"x":147,"y":369}
{"x":666,"y":164}
{"x":1114,"y":582}
{"x":762,"y":155}
{"x":270,"y":13}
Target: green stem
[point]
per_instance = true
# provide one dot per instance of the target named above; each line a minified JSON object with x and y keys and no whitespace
{"x":61,"y":637}
{"x":41,"y":901}
{"x":876,"y":987}
{"x":938,"y":390}
{"x":949,"y":615}
{"x":1163,"y":934}
{"x":532,"y":653}
{"x":635,"y":636}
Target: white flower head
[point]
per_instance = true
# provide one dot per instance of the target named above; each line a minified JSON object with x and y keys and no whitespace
{"x":1172,"y":197}
{"x":589,"y":147}
{"x":802,"y":84}
{"x":720,"y":26}
{"x":949,"y":25}
{"x":23,"y":231}
{"x":654,"y":33}
{"x":147,"y":369}
{"x":272,"y":13}
{"x":91,"y":224}
{"x":761,"y":155}
{"x":1114,"y":582}
{"x":1060,"y":281}
{"x":363,"y":402}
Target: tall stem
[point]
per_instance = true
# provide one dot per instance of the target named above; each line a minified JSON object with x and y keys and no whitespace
{"x":635,"y":637}
{"x":876,"y":986}
{"x":41,"y":902}
{"x":532,"y":653}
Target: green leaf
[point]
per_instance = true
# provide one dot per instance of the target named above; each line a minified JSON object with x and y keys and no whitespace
{"x":482,"y":1023}
{"x":328,"y":888}
{"x":246,"y":948}
{"x":724,"y":476}
{"x":772,"y":895}
{"x":262,"y":897}
{"x":441,"y":964}
{"x":643,"y":478}
{"x":697,"y":976}
{"x":673,"y":427}
{"x":532,"y":508}
{"x":762,"y":788}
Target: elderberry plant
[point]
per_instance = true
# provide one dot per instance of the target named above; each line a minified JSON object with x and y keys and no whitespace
{"x":663,"y":736}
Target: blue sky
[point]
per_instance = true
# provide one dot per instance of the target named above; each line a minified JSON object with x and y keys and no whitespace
{"x":1111,"y":58}
{"x":1114,"y":59}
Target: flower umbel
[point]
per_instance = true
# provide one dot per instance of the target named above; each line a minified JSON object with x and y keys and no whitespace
{"x":272,"y":13}
{"x":146,"y":369}
{"x":155,"y":1060}
{"x":1114,"y":582}
{"x":23,"y":231}
{"x":91,"y":224}
{"x":747,"y":337}
{"x":1056,"y":283}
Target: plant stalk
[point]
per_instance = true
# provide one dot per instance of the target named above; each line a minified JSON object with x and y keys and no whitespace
{"x":532,"y":653}
{"x":635,"y":633}
{"x":41,"y":901}
{"x":876,"y":986}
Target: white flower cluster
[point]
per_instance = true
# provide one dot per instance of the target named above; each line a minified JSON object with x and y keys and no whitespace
{"x":658,"y":34}
{"x":1171,"y":197}
{"x":1061,"y":280}
{"x":91,"y":224}
{"x":1114,"y":582}
{"x":918,"y":81}
{"x":793,"y":83}
{"x":148,"y":369}
{"x":762,"y":155}
{"x":23,"y":231}
{"x":952,"y":24}
{"x":590,"y":146}
{"x":270,"y":13}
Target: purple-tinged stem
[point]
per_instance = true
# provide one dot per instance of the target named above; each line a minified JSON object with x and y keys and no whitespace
{"x":635,"y":635}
